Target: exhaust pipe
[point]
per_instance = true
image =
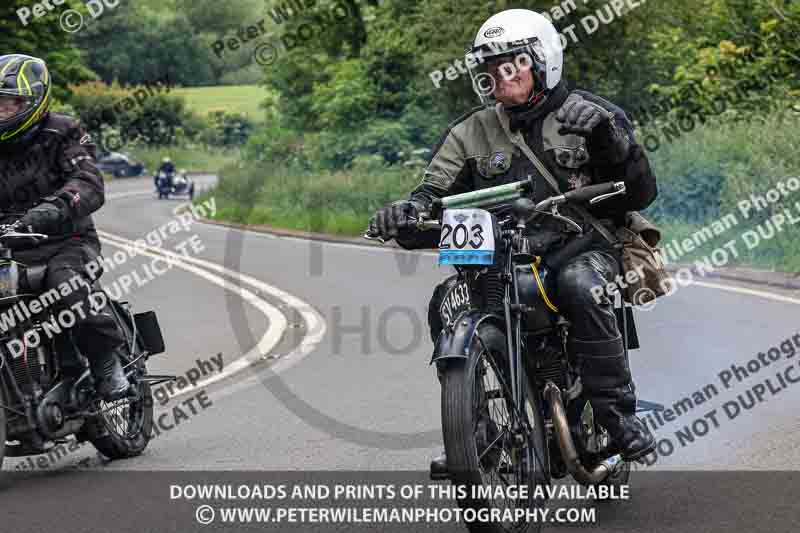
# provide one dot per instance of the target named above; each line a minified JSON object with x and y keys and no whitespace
{"x":567,"y":446}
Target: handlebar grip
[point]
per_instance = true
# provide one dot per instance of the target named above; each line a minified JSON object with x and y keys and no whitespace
{"x":584,"y":194}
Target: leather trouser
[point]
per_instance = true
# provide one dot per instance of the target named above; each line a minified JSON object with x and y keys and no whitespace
{"x":96,"y":332}
{"x":595,"y":343}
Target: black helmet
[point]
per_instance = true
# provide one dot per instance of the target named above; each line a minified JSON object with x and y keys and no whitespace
{"x":26,"y":78}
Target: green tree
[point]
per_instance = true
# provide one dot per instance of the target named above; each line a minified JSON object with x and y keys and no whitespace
{"x":42,"y":37}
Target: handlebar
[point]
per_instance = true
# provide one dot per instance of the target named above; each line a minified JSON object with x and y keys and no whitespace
{"x":9,"y":231}
{"x":594,"y":193}
{"x":493,"y":195}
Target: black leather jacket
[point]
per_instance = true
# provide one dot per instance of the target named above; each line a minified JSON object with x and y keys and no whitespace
{"x":58,"y":163}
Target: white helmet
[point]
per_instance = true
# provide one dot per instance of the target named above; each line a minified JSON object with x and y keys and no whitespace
{"x":527,"y":39}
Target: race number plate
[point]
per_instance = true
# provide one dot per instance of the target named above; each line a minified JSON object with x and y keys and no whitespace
{"x":467,"y":237}
{"x":456,"y":301}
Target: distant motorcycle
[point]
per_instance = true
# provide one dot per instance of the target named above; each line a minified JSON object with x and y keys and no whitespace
{"x":170,"y":183}
{"x":47,"y":391}
{"x":513,"y":408}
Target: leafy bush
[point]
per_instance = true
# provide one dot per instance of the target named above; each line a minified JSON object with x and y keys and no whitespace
{"x":227,"y":129}
{"x":137,"y":114}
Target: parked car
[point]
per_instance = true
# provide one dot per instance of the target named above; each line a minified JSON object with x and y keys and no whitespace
{"x":119,"y":165}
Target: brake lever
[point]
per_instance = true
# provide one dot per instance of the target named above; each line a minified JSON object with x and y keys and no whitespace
{"x":596,"y":199}
{"x":553,"y":212}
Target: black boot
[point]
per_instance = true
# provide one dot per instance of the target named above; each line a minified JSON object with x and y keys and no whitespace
{"x":439,"y":467}
{"x":606,"y":378}
{"x":109,"y":377}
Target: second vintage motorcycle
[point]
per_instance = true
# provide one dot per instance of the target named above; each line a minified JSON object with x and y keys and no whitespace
{"x":46,"y":388}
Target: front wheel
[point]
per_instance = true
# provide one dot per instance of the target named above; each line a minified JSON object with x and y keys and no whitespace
{"x":486,"y":452}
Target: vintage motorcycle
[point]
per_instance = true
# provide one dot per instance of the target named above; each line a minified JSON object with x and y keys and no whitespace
{"x":513,"y":412}
{"x":173,"y":184}
{"x":46,"y":390}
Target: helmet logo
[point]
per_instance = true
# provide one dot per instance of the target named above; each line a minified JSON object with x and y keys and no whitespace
{"x":497,"y":31}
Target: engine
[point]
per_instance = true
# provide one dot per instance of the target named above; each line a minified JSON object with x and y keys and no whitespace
{"x":36,"y":367}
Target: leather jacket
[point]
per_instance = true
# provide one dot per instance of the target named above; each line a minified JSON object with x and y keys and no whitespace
{"x":476,"y":153}
{"x":59,"y":163}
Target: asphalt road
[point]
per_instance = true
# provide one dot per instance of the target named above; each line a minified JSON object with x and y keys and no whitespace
{"x":344,"y":328}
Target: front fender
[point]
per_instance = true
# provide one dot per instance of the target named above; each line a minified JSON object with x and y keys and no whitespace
{"x":454,"y":343}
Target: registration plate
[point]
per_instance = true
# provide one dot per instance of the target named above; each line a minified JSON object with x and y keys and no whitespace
{"x":467,"y":237}
{"x":456,"y":301}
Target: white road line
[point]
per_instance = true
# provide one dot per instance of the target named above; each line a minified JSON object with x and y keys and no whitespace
{"x":117,"y":195}
{"x":316,"y":327}
{"x":750,"y":292}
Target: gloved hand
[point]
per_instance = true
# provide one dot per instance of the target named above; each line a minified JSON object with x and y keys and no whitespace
{"x":47,"y":217}
{"x":605,"y":141}
{"x":395,"y":219}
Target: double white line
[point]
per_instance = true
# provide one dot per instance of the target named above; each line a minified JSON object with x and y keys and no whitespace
{"x":315,"y":323}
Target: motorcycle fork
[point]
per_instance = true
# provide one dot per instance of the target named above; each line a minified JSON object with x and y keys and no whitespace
{"x":514,"y":340}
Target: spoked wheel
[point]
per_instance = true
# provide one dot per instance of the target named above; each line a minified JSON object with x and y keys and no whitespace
{"x":123,"y":428}
{"x":490,"y":447}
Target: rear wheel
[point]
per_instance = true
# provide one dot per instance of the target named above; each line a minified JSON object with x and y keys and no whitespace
{"x":483,"y":449}
{"x":123,"y":428}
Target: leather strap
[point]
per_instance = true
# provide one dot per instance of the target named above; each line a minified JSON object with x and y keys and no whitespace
{"x":519,"y":140}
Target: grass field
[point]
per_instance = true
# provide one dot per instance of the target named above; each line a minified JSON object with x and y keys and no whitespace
{"x":238,"y":98}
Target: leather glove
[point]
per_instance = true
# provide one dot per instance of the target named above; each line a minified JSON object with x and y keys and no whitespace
{"x":395,"y":220}
{"x":606,"y":143}
{"x":48,"y":217}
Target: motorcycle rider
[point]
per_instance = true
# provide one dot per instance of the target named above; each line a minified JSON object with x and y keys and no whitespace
{"x":516,"y":67}
{"x":48,"y":175}
{"x":168,"y":168}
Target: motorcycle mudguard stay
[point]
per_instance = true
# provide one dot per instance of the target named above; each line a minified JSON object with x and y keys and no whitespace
{"x":453,"y":343}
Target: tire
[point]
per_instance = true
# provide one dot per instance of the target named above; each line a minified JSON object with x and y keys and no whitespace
{"x":459,"y":388}
{"x":110,"y":439}
{"x":116,"y":444}
{"x":191,"y":192}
